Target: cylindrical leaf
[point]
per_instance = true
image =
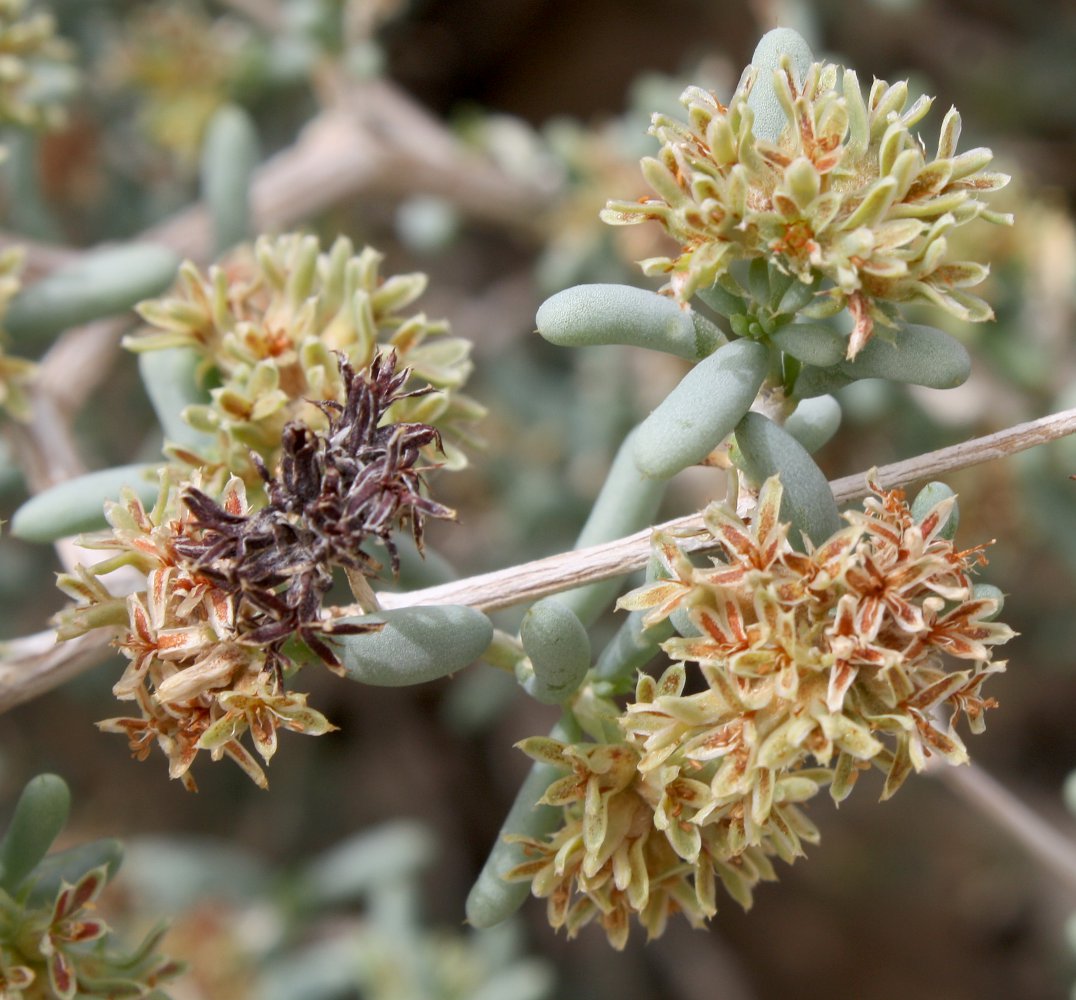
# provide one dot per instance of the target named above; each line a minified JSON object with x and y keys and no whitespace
{"x":701,"y":411}
{"x":812,"y":343}
{"x":230,"y":155}
{"x":814,"y":421}
{"x":722,"y":301}
{"x":70,"y":865}
{"x":492,"y":899}
{"x":758,"y":280}
{"x":770,"y":117}
{"x":77,"y":505}
{"x":628,"y":502}
{"x":808,"y":502}
{"x":171,"y":380}
{"x":416,"y":644}
{"x":619,"y":314}
{"x":559,"y":650}
{"x":919,"y":355}
{"x":100,"y":283}
{"x":928,"y":498}
{"x":796,"y":296}
{"x":40,"y":815}
{"x":812,"y":382}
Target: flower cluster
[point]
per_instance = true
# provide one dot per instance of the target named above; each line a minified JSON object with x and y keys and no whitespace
{"x":630,"y":845}
{"x":227,"y":587}
{"x":27,"y":43}
{"x":811,"y":666}
{"x":845,"y":194}
{"x":58,"y":948}
{"x":198,"y":685}
{"x":267,"y":321}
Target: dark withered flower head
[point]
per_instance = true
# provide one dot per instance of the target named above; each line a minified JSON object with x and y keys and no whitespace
{"x":228,"y":585}
{"x":334,"y":491}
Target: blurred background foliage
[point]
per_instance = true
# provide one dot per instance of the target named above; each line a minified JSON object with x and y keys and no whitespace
{"x":920,"y":896}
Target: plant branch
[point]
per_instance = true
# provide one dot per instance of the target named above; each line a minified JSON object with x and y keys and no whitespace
{"x":1054,"y":850}
{"x":529,"y":581}
{"x":34,"y":665}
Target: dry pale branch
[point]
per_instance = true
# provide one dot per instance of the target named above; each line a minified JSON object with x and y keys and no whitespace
{"x":517,"y":584}
{"x":1048,"y":845}
{"x":35,"y":664}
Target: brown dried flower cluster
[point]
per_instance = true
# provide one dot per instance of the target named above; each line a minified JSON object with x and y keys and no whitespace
{"x":812,"y":666}
{"x":198,"y":685}
{"x":335,"y":490}
{"x":227,"y":587}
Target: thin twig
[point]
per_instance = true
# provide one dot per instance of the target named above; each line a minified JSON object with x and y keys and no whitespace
{"x":529,"y":581}
{"x":1043,"y":841}
{"x":35,"y":664}
{"x":20,"y":680}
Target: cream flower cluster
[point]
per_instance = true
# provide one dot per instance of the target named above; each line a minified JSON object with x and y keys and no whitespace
{"x":845,"y":195}
{"x":196,"y":683}
{"x":267,"y":321}
{"x":808,"y":668}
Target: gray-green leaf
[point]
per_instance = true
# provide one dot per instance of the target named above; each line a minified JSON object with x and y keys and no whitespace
{"x":770,"y":117}
{"x":701,"y":411}
{"x":40,"y":815}
{"x":559,"y":650}
{"x":230,"y":155}
{"x":920,"y":355}
{"x":100,"y":283}
{"x":416,"y":645}
{"x":808,"y":503}
{"x":78,"y":505}
{"x":587,"y":315}
{"x":814,"y":421}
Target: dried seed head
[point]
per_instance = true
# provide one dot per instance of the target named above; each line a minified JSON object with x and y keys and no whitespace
{"x":334,"y":491}
{"x":228,"y":586}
